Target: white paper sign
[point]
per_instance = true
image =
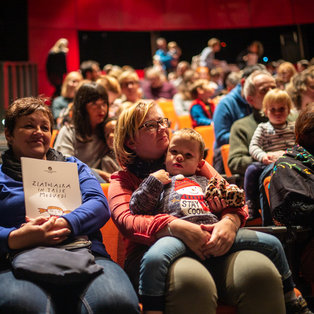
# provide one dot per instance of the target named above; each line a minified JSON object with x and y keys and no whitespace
{"x":51,"y":188}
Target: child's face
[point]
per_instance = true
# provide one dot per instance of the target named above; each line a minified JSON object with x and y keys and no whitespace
{"x":109,"y":133}
{"x":206,"y":92}
{"x":183,"y":156}
{"x":277,"y":113}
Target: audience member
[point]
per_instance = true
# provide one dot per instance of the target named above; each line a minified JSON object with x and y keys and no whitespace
{"x":207,"y":56}
{"x":182,"y":67}
{"x":83,"y":138}
{"x":302,"y":65}
{"x":115,"y":71}
{"x":232,"y":80}
{"x":286,"y":71}
{"x":156,"y":195}
{"x":109,"y":162}
{"x":175,"y":51}
{"x":90,"y":70}
{"x":254,"y":90}
{"x":216,"y":76}
{"x":68,"y":91}
{"x":56,"y":65}
{"x":130,"y":86}
{"x":28,"y":126}
{"x":301,"y":88}
{"x":163,"y":55}
{"x":112,"y":86}
{"x":269,"y":141}
{"x":155,"y":85}
{"x":203,"y":73}
{"x":140,"y":148}
{"x":251,"y":55}
{"x":183,"y":99}
{"x":202,"y":108}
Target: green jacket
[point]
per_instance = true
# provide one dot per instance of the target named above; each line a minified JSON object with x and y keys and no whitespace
{"x":241,"y":134}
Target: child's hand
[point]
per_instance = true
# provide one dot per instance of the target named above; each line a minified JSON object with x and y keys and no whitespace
{"x":162,"y":176}
{"x":267,"y":159}
{"x":277,"y":154}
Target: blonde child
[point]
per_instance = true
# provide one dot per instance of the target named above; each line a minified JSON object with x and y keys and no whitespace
{"x":269,"y":142}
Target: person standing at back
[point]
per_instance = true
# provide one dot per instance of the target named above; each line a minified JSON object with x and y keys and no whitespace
{"x":207,"y":56}
{"x":56,"y":65}
{"x":163,"y":55}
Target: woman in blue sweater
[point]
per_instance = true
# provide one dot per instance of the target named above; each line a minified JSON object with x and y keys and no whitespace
{"x":28,"y":126}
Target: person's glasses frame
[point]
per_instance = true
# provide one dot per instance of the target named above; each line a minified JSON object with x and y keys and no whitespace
{"x":155,"y":124}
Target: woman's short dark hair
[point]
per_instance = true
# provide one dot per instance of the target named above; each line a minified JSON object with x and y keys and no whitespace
{"x":88,"y":92}
{"x":24,"y":107}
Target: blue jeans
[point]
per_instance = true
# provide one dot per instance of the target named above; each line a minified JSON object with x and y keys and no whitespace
{"x":253,"y":183}
{"x":157,"y":260}
{"x":110,"y":292}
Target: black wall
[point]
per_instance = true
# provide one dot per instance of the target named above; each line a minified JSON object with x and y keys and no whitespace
{"x":134,"y":48}
{"x":13,"y":30}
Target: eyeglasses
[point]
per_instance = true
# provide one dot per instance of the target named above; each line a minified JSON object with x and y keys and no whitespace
{"x":154,"y":125}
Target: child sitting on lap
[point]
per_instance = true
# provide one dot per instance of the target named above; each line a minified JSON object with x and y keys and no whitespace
{"x":184,"y":195}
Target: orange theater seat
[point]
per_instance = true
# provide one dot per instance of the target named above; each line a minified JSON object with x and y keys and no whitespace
{"x":53,"y":137}
{"x":208,"y":135}
{"x":169,"y":112}
{"x":224,"y":154}
{"x":184,"y":122}
{"x":266,"y":187}
{"x":112,"y":238}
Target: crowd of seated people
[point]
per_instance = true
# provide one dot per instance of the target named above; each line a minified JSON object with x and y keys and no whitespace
{"x":229,"y":98}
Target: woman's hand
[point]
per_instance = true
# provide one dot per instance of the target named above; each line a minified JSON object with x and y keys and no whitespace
{"x":191,"y":234}
{"x":222,"y":237}
{"x":39,"y":231}
{"x":105,"y":175}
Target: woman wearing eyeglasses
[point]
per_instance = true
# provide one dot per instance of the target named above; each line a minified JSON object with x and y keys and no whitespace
{"x":83,"y":138}
{"x":246,"y":279}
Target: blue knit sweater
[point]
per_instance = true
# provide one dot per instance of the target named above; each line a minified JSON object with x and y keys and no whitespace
{"x":231,"y":108}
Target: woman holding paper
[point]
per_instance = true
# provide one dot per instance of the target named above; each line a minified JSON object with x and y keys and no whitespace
{"x":28,"y":127}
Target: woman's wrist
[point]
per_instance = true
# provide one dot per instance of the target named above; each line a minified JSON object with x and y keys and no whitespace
{"x":233,"y":220}
{"x":14,"y":240}
{"x":169,"y":230}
